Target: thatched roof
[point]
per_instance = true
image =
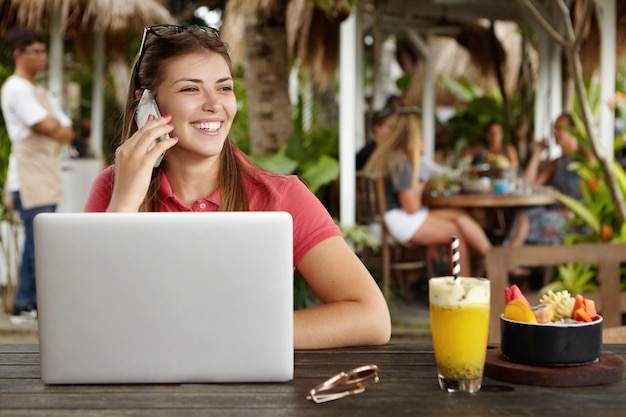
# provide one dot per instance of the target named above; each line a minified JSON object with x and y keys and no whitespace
{"x":81,"y":18}
{"x":590,"y":48}
{"x":312,"y":33}
{"x":469,"y":55}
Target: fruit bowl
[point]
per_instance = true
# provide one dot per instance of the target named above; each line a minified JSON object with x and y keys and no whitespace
{"x":551,"y":344}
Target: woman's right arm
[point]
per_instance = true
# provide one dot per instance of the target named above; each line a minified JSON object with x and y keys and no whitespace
{"x":536,"y":173}
{"x":410,"y":199}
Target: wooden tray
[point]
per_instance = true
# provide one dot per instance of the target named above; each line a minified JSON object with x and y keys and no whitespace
{"x":609,"y":369}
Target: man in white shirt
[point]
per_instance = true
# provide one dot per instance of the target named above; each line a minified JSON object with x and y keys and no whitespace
{"x":38,"y":128}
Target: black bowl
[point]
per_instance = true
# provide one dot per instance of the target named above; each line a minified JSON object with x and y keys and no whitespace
{"x":551,"y":344}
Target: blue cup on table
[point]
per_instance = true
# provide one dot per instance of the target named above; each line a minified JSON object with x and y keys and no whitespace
{"x":501,"y":186}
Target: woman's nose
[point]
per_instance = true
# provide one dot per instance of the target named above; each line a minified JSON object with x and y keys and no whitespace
{"x":211,"y":102}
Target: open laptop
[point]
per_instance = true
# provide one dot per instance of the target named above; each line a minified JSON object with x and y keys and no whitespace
{"x":165,"y":297}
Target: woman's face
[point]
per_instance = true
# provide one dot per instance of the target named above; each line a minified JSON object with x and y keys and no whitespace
{"x":493,"y":136}
{"x":563,"y":137}
{"x":198,"y":92}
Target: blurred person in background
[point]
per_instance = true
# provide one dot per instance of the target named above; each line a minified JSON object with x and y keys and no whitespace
{"x":38,"y":129}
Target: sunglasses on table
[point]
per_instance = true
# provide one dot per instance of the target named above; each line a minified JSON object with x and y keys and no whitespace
{"x":344,"y":384}
{"x":164,"y":30}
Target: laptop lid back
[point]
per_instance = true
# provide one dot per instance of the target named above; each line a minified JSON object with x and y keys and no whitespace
{"x":165,"y":297}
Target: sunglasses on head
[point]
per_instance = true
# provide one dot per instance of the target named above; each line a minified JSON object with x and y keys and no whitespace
{"x":164,"y":30}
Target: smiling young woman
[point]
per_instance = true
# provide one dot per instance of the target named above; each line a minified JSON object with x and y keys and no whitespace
{"x":188,"y":70}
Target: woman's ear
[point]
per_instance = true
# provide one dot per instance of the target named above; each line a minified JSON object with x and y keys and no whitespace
{"x":138,"y":94}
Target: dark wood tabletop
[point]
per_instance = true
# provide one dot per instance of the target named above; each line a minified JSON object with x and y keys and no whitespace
{"x":538,"y":197}
{"x":408,"y":386}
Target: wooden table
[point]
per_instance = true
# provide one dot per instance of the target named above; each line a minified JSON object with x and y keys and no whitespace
{"x":538,"y":197}
{"x":488,"y":208}
{"x":407,"y":387}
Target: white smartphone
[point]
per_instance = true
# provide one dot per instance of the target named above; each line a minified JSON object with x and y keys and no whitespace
{"x":147,"y":106}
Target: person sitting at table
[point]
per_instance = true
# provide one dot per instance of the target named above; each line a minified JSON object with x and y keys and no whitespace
{"x":378,"y":132}
{"x":380,"y":129}
{"x":546,"y":224}
{"x":493,"y":149}
{"x":397,"y":158}
{"x":188,"y":69}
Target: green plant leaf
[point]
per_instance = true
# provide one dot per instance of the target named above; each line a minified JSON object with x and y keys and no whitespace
{"x":620,"y":175}
{"x":460,"y":91}
{"x":360,"y":236}
{"x":278,"y":163}
{"x":581,"y":210}
{"x":577,"y":278}
{"x":320,"y":172}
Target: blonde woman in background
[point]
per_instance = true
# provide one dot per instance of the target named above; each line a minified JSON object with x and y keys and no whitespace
{"x":397,"y":158}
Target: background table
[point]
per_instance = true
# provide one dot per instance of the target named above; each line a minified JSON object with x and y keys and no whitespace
{"x":408,"y":386}
{"x":538,"y":197}
{"x":488,"y":208}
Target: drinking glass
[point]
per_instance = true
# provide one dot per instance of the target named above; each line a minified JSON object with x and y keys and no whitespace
{"x":459,"y":316}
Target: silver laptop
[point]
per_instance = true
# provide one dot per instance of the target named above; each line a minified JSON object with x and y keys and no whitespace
{"x":165,"y":297}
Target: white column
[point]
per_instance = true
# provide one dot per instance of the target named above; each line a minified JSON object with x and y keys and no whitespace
{"x":556,"y":81}
{"x":347,"y":119}
{"x":428,"y":99}
{"x":55,"y":53}
{"x":97,"y":94}
{"x":542,"y":92}
{"x":605,"y":14}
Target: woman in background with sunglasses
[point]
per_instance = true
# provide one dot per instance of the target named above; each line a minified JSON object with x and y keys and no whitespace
{"x":188,"y":70}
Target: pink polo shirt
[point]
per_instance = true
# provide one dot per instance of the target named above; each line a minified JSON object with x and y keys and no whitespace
{"x":311,"y":221}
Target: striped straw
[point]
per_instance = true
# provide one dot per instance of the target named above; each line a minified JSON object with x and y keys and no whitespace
{"x":456,"y":267}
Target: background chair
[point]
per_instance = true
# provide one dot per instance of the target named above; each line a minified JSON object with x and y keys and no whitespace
{"x":398,"y":258}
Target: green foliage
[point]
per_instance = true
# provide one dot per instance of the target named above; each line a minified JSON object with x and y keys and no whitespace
{"x":360,"y":237}
{"x":595,"y":216}
{"x":577,"y":278}
{"x":462,"y":88}
{"x":303,"y":295}
{"x":239,"y":130}
{"x":311,"y":155}
{"x":467,"y":124}
{"x":293,"y":158}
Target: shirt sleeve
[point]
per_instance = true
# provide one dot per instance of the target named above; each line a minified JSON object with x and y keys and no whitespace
{"x":24,"y":104}
{"x":311,"y":221}
{"x":404,"y":182}
{"x":101,"y":190}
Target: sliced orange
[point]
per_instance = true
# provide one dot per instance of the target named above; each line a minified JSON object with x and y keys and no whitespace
{"x":517,"y":310}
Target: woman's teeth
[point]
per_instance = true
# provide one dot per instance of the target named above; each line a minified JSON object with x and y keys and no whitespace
{"x":210,"y":126}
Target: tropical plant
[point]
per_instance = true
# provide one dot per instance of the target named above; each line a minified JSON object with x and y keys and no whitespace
{"x":595,"y":218}
{"x":577,"y":278}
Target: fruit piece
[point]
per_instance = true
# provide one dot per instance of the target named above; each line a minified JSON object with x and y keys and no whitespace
{"x":544,"y":313}
{"x":590,"y":308}
{"x":584,"y":309}
{"x":517,"y":310}
{"x":579,"y":302}
{"x":514,"y":293}
{"x":581,"y":315}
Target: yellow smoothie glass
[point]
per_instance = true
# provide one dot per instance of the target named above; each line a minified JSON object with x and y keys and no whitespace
{"x":459,"y":318}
